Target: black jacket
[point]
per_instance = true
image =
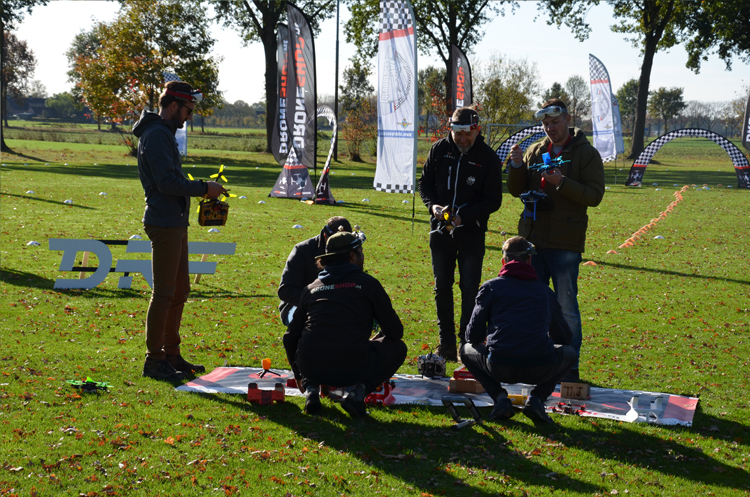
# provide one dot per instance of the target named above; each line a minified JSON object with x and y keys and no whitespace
{"x":474,"y":178}
{"x":334,"y":319}
{"x":300,"y":270}
{"x":167,"y":189}
{"x":520,"y":318}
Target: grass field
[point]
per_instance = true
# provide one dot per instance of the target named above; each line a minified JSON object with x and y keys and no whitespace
{"x":667,"y":315}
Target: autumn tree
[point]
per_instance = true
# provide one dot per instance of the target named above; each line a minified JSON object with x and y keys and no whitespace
{"x":506,"y":90}
{"x":85,"y":44}
{"x":439,"y":24}
{"x":256,"y":20}
{"x":666,"y":104}
{"x":655,"y":25}
{"x":627,"y":99}
{"x":360,"y":127}
{"x":579,"y":98}
{"x":18,"y":67}
{"x":125,"y":72}
{"x":431,"y":97}
{"x":356,"y":86}
{"x":11,"y":14}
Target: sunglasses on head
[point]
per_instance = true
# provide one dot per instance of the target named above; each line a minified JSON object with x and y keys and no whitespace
{"x":551,"y":111}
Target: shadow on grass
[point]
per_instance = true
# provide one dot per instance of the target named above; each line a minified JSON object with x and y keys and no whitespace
{"x":379,"y":445}
{"x":671,"y":273}
{"x":56,"y":202}
{"x":27,"y":157}
{"x":22,"y":278}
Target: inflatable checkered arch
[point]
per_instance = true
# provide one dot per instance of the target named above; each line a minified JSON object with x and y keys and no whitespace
{"x":741,"y":164}
{"x":394,"y":16}
{"x":525,"y":138}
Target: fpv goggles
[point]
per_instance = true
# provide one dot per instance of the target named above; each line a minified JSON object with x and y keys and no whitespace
{"x":466,"y":127}
{"x":551,"y":111}
{"x":194,"y":96}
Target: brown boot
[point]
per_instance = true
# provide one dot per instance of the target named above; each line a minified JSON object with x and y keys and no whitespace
{"x":180,"y":364}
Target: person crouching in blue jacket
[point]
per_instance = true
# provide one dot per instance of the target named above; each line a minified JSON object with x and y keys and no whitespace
{"x":517,"y":334}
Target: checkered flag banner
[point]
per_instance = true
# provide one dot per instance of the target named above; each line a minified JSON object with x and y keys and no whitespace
{"x":394,"y":16}
{"x":601,"y":110}
{"x":397,"y":99}
{"x":526,"y":136}
{"x":741,"y":164}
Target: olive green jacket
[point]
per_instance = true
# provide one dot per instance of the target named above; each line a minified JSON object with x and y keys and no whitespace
{"x":564,"y":225}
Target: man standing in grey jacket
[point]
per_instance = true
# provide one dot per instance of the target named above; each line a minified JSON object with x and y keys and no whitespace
{"x":165,"y":221}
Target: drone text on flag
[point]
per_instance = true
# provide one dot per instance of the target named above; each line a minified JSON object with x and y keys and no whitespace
{"x":601,"y":110}
{"x":461,"y":84}
{"x":397,"y":99}
{"x":280,"y":135}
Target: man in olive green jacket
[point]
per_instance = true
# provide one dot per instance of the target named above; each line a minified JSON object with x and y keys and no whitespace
{"x":557,"y":226}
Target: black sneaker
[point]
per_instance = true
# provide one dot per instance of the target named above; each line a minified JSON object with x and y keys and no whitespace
{"x":161,"y":370}
{"x":447,"y":350}
{"x":312,"y":399}
{"x":534,"y":410}
{"x":571,"y":377}
{"x":180,"y":364}
{"x":354,"y":402}
{"x":503,"y":409}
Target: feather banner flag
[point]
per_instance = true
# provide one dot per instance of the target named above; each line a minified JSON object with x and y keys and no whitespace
{"x":746,"y":126}
{"x":601,"y":110}
{"x":619,"y":142}
{"x":280,"y":136}
{"x":398,"y":116}
{"x":461,"y":79}
{"x":302,"y":99}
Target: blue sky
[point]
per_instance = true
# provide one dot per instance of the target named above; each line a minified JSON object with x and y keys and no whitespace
{"x":557,"y":53}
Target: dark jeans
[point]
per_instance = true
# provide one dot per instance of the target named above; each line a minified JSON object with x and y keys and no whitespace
{"x":385,"y":357}
{"x":169,"y":267}
{"x":469,"y":252}
{"x":561,"y":266}
{"x":490,"y":374}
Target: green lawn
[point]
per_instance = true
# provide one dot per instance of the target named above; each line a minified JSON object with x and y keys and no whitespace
{"x":667,"y":315}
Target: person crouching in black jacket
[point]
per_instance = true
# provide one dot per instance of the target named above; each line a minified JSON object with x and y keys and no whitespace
{"x":527,"y":337}
{"x":328,"y":340}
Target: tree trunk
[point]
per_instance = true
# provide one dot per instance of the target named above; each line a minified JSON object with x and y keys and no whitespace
{"x":203,"y":129}
{"x":642,"y":99}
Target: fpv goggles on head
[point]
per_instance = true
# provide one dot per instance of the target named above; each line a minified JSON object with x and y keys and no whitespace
{"x":466,"y":127}
{"x":194,"y":96}
{"x":551,"y":111}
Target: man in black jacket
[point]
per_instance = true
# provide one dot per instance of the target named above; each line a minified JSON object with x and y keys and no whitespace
{"x":328,"y":341}
{"x":301,"y":270}
{"x":461,"y":185}
{"x":165,"y":221}
{"x":527,"y":337}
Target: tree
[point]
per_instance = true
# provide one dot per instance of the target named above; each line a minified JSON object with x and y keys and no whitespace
{"x":256,"y":20}
{"x":555,"y":91}
{"x":579,"y":99}
{"x":359,"y":127}
{"x":439,"y":24}
{"x":356,"y":86}
{"x":12,"y":13}
{"x":85,"y":44}
{"x":62,"y":103}
{"x":660,"y":25}
{"x":666,"y":104}
{"x":125,"y":73}
{"x":627,"y":97}
{"x":18,"y":67}
{"x":37,"y":89}
{"x":430,"y":95}
{"x":505,"y":90}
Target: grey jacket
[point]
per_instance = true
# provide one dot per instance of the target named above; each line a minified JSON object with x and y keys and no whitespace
{"x":167,"y":189}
